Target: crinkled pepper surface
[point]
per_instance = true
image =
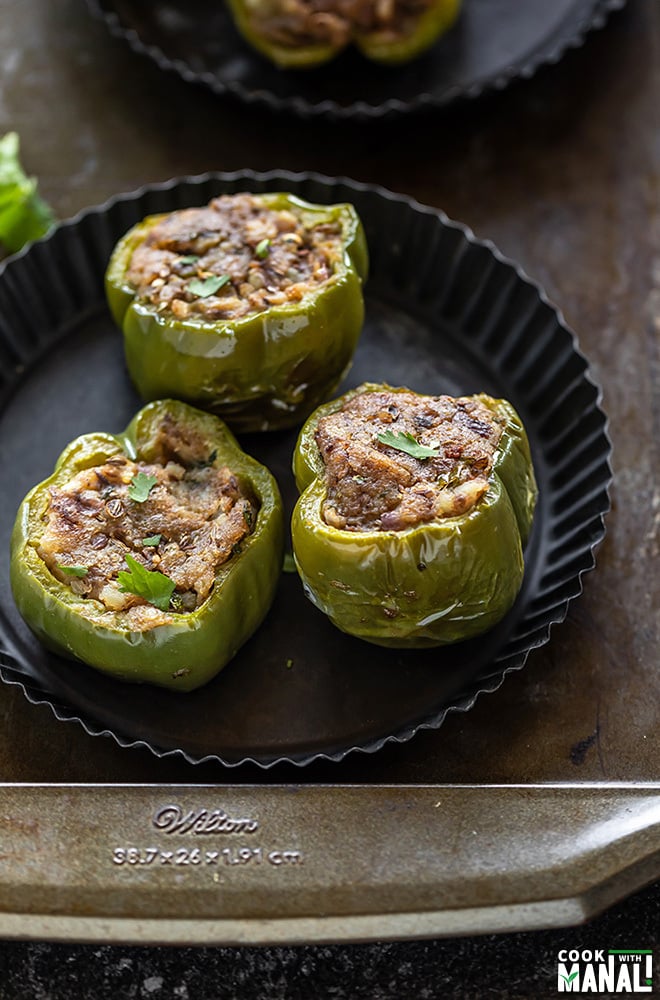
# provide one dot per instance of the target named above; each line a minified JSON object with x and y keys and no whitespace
{"x":189,"y":648}
{"x":377,"y":45}
{"x":266,"y":370}
{"x":437,"y":583}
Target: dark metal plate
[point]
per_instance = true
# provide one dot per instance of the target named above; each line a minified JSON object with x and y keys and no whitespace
{"x":494,"y":42}
{"x":445,"y":313}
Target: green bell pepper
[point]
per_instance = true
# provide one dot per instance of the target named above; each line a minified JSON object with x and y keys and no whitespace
{"x":435,"y":583}
{"x":265,"y":370}
{"x":184,"y":649}
{"x":265,"y":24}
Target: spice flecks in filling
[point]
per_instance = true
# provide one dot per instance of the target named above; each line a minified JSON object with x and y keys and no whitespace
{"x":193,"y":519}
{"x":375,"y":486}
{"x":233,"y":258}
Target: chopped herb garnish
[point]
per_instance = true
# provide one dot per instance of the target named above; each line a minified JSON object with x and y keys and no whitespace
{"x":176,"y":602}
{"x":154,"y":587}
{"x":262,"y":249}
{"x":191,"y":258}
{"x":289,"y":565}
{"x":141,"y":486}
{"x":73,"y":570}
{"x":448,"y":482}
{"x":403,"y":441}
{"x":151,"y":541}
{"x":203,"y":287}
{"x":204,"y":463}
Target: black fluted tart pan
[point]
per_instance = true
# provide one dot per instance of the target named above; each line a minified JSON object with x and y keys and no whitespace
{"x":446,"y":313}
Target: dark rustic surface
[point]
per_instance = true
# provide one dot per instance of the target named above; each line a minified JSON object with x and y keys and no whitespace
{"x":563,"y":174}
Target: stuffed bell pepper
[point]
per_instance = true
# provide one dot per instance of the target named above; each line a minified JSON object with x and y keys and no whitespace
{"x":300,"y":34}
{"x":153,"y":554}
{"x":250,"y":307}
{"x":413,"y":515}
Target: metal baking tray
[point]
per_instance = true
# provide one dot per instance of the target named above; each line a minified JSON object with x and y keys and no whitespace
{"x":539,"y":807}
{"x":255,"y":864}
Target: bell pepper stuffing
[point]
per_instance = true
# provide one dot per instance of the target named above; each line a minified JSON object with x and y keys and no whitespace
{"x":101,"y":516}
{"x":168,"y":530}
{"x":414,"y":511}
{"x":250,"y":307}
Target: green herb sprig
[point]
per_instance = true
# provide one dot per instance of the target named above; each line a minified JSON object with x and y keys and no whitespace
{"x":73,"y":570}
{"x":141,"y":486}
{"x":262,"y":249}
{"x":24,"y":216}
{"x":289,"y":565}
{"x":203,"y":287}
{"x":151,"y":586}
{"x":206,"y":463}
{"x":403,"y":441}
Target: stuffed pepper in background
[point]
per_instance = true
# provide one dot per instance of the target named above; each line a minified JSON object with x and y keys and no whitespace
{"x":250,"y":307}
{"x":152,"y":555}
{"x":300,"y":34}
{"x":414,"y":513}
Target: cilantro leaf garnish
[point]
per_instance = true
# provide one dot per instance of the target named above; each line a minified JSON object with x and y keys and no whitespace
{"x":403,"y":441}
{"x":73,"y":570}
{"x":24,"y":216}
{"x":206,"y":463}
{"x":190,"y":258}
{"x":154,"y":587}
{"x":176,"y":602}
{"x":289,"y":565}
{"x":262,"y":249}
{"x":151,"y":540}
{"x":141,"y":486}
{"x":449,"y":481}
{"x":203,"y":287}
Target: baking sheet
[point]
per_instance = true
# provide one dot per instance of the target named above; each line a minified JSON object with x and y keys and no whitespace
{"x":238,"y":865}
{"x":551,"y":171}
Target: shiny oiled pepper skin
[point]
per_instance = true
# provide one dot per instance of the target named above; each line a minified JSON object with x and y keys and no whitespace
{"x":192,"y":647}
{"x":265,"y":371}
{"x":436,"y":583}
{"x":377,"y":47}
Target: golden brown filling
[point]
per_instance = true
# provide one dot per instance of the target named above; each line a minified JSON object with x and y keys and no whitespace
{"x":397,"y":459}
{"x":232,"y":258}
{"x":295,"y":23}
{"x":180,"y":517}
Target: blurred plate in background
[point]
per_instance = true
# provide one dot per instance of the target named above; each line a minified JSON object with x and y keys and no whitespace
{"x":493,"y":43}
